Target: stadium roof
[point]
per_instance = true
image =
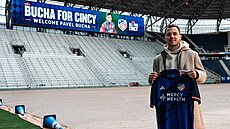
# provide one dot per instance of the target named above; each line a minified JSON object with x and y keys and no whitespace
{"x":182,"y":9}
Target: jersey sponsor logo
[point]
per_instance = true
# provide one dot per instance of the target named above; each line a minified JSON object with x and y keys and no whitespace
{"x":172,"y":97}
{"x":175,"y":97}
{"x":163,"y":97}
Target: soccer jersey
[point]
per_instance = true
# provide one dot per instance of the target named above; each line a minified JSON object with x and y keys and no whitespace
{"x":173,"y":95}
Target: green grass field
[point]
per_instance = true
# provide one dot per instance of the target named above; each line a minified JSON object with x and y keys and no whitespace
{"x":11,"y":121}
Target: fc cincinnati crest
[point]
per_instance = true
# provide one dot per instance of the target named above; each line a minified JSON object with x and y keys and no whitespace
{"x":122,"y":24}
{"x":181,"y":87}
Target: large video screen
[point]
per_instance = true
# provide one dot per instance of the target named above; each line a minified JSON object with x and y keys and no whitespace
{"x":28,"y":13}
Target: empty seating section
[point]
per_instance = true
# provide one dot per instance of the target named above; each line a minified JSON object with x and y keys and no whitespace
{"x":46,"y":44}
{"x":11,"y":75}
{"x":107,"y":59}
{"x":39,"y":42}
{"x":56,"y":72}
{"x":138,"y":48}
{"x":215,"y":66}
{"x":15,"y":37}
{"x":227,"y":63}
{"x":49,"y":62}
{"x":5,"y":46}
{"x":212,"y":76}
{"x":141,"y":52}
{"x":145,"y":65}
{"x":210,"y":42}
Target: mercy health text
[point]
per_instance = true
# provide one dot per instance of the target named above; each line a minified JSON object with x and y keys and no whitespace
{"x":49,"y":16}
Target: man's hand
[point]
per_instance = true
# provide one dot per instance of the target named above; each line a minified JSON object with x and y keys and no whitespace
{"x":153,"y":76}
{"x":152,"y":106}
{"x":192,"y":74}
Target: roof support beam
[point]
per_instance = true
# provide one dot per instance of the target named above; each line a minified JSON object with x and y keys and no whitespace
{"x":174,"y":9}
{"x":190,"y":24}
{"x":102,"y":5}
{"x":197,"y":14}
{"x":223,"y":7}
{"x":201,"y":10}
{"x":218,"y":24}
{"x":165,"y":23}
{"x":129,"y":5}
{"x":117,"y":5}
{"x":156,"y":19}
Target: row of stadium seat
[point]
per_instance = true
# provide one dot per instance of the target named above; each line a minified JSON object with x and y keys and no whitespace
{"x":49,"y":62}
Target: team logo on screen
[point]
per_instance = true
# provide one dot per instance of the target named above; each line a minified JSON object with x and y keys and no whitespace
{"x":133,"y":26}
{"x":122,"y":24}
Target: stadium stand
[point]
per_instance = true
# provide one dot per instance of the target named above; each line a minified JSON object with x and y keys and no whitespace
{"x":43,"y":60}
{"x":105,"y":57}
{"x":227,"y":62}
{"x":59,"y":71}
{"x":11,"y":74}
{"x":215,"y":66}
{"x":38,"y":59}
{"x":209,"y":41}
{"x":212,"y":77}
{"x":47,"y":60}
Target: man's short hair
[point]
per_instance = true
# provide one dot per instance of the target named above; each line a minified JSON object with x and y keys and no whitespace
{"x":108,"y":14}
{"x":172,"y":25}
